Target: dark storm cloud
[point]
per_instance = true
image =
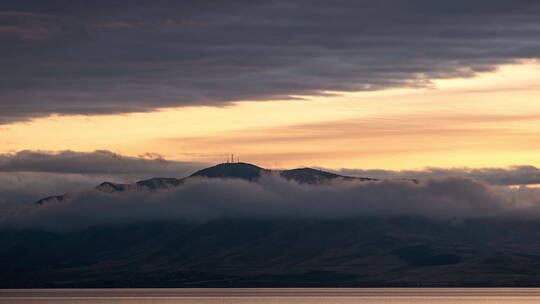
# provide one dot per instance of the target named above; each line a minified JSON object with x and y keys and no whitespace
{"x":515,"y":175}
{"x":274,"y":197}
{"x":92,"y":57}
{"x":96,"y":163}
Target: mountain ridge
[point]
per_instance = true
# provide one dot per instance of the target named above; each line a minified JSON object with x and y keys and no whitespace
{"x":239,"y":170}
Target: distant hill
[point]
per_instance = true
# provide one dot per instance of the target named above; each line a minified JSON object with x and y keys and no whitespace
{"x":238,"y":170}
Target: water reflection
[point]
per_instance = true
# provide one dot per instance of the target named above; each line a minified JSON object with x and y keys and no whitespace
{"x":273,"y":296}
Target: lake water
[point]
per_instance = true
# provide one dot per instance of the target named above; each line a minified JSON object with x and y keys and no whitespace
{"x":273,"y":296}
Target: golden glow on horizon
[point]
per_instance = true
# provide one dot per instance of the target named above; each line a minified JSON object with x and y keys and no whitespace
{"x":488,"y":121}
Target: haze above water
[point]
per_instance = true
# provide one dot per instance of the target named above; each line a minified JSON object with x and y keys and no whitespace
{"x":270,"y":296}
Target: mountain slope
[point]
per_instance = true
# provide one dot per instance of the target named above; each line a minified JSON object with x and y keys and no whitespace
{"x":406,"y":251}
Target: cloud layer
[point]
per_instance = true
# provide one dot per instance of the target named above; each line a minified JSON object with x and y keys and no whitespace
{"x":96,"y":163}
{"x":274,"y":197}
{"x":97,"y":57}
{"x":515,"y":175}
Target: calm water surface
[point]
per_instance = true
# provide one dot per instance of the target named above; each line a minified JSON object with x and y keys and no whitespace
{"x":272,"y":296}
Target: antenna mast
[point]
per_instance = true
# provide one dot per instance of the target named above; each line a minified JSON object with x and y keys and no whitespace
{"x":231,"y":159}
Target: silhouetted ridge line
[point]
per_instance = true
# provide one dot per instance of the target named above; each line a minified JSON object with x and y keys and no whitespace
{"x":112,"y":187}
{"x":237,"y":170}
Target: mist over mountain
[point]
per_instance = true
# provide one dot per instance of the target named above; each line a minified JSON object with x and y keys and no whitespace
{"x":514,"y":175}
{"x":241,"y":190}
{"x":240,"y":225}
{"x":242,"y":171}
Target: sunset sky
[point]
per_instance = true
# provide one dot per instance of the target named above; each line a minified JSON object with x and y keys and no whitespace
{"x":379,"y":85}
{"x":376,"y":143}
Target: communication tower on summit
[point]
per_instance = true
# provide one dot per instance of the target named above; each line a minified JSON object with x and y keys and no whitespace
{"x":231,"y":159}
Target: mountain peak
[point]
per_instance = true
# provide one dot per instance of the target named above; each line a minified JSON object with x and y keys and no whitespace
{"x":111,"y":187}
{"x":232,"y":170}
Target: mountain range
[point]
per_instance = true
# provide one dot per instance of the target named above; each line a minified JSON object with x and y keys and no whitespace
{"x":355,"y":251}
{"x":238,"y":170}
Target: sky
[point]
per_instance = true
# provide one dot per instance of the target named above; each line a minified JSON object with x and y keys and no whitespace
{"x":358,"y":85}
